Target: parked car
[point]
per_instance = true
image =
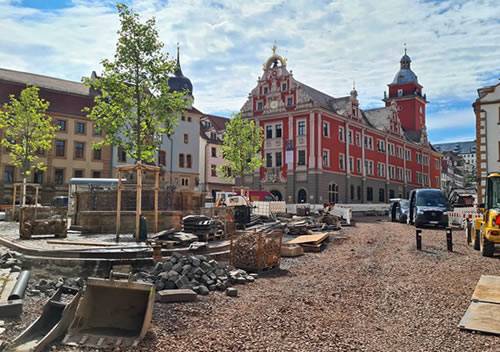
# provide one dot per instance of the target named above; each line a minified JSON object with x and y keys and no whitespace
{"x":428,"y":207}
{"x":398,"y":210}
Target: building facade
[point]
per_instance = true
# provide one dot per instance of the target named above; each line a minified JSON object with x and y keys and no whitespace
{"x":211,"y":159}
{"x":487,"y":111}
{"x":319,"y":148}
{"x":453,"y":172}
{"x":463,"y":154}
{"x":72,"y":154}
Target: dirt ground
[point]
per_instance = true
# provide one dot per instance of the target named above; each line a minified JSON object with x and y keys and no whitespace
{"x":371,"y":291}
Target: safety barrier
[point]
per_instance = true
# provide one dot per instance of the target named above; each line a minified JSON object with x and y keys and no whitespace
{"x":458,"y":216}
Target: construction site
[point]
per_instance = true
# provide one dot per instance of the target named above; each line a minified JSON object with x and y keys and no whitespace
{"x":166,"y":271}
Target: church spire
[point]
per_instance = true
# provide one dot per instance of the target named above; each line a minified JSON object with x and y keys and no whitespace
{"x":178,"y":70}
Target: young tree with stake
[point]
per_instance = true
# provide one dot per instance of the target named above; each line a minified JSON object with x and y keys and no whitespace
{"x":28,"y":132}
{"x":135,"y":107}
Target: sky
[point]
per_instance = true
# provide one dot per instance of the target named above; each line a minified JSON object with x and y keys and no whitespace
{"x":454,"y":46}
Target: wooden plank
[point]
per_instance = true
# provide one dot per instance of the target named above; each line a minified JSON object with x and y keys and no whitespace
{"x":487,"y":289}
{"x":480,"y":316}
{"x":314,"y":239}
{"x":82,"y":243}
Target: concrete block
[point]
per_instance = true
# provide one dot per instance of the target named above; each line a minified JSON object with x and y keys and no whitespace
{"x":179,"y":295}
{"x":231,"y":292}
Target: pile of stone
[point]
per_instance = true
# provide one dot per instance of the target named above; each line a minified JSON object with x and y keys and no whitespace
{"x":11,"y":260}
{"x":48,"y":287}
{"x":196,"y":272}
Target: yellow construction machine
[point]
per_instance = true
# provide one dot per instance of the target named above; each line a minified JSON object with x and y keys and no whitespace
{"x":483,"y":232}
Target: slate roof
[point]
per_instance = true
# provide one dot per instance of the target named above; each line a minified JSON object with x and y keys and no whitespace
{"x":378,"y":117}
{"x":338,"y":105}
{"x":218,"y":122}
{"x":56,"y":84}
{"x":468,"y":147}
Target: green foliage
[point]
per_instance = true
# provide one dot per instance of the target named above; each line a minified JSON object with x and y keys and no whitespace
{"x":241,"y":146}
{"x":135,"y":107}
{"x":27,"y":130}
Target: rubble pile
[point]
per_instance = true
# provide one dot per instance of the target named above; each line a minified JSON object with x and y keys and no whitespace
{"x":256,"y":250}
{"x":47,"y":287}
{"x":196,"y":272}
{"x":11,"y":260}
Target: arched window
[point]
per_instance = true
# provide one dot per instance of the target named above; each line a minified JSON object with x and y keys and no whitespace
{"x":302,"y":196}
{"x":333,"y":193}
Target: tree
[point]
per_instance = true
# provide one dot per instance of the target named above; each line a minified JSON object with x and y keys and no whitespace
{"x":134,"y":106}
{"x":28,"y":132}
{"x":241,"y":147}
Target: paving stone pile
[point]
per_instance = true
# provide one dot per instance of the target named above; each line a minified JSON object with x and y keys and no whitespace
{"x":196,"y":272}
{"x":11,"y":260}
{"x":48,"y":287}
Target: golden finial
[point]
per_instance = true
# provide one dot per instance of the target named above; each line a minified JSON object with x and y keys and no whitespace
{"x":274,"y":48}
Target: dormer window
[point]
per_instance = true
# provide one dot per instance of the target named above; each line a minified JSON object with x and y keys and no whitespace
{"x":265,"y":90}
{"x":284,"y":87}
{"x":260,"y":106}
{"x":400,"y":92}
{"x":289,"y":101}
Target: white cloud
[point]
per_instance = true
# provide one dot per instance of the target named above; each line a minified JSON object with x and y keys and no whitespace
{"x":453,"y":44}
{"x":446,"y":119}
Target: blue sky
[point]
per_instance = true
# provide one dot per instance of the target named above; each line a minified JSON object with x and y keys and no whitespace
{"x":454,"y":45}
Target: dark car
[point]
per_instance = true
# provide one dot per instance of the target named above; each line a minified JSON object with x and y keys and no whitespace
{"x":428,"y":207}
{"x":398,"y":209}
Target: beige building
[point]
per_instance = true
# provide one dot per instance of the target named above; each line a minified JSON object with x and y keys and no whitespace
{"x":487,"y":110}
{"x":72,"y":154}
{"x":211,"y":159}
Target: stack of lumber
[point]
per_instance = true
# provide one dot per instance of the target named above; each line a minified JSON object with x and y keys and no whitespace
{"x":311,"y":243}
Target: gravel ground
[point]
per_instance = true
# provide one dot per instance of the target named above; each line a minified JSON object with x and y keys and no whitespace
{"x":370,"y":292}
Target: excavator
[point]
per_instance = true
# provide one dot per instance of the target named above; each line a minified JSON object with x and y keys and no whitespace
{"x":483,"y":232}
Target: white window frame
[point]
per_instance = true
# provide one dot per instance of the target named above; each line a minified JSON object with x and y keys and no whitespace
{"x":341,"y":134}
{"x":305,"y":128}
{"x":327,"y":163}
{"x":342,"y":163}
{"x":357,"y":139}
{"x":327,"y":125}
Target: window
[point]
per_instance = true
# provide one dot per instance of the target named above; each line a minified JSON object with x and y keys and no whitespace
{"x":390,"y":148}
{"x":283,"y":87}
{"x":325,"y":156}
{"x":301,"y":157}
{"x":399,"y":152}
{"x":162,"y":158}
{"x":358,"y":139}
{"x":391,"y":193}
{"x":213,"y":136}
{"x":392,"y":172}
{"x":189,"y":119}
{"x":341,"y":134}
{"x":408,"y":155}
{"x":181,"y":160}
{"x":369,"y":194}
{"x":186,"y":138}
{"x":278,"y":157}
{"x":183,"y":118}
{"x":381,"y":169}
{"x":278,"y":131}
{"x":269,"y":160}
{"x":333,"y":193}
{"x":381,"y":145}
{"x":358,"y":191}
{"x":213,"y":170}
{"x":351,"y":164}
{"x":79,"y":150}
{"x":78,"y":173}
{"x":349,"y":136}
{"x":400,"y":92}
{"x":269,"y":132}
{"x":97,"y":154}
{"x":260,"y":106}
{"x":381,"y":195}
{"x":61,"y":124}
{"x":289,"y":101}
{"x":341,"y":162}
{"x":189,"y":161}
{"x":369,"y":167}
{"x":359,"y":166}
{"x":184,"y":181}
{"x":38,"y":177}
{"x":352,"y":192}
{"x":96,"y":174}
{"x":214,"y":152}
{"x":8,"y":174}
{"x":369,"y":142}
{"x":438,"y":164}
{"x":326,"y":129}
{"x":408,"y":175}
{"x":301,"y":130}
{"x":59,"y":176}
{"x":266,"y":90}
{"x":79,"y":127}
{"x":60,"y":148}
{"x":122,"y":155}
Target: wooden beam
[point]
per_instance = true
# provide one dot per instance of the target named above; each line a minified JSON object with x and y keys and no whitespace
{"x":157,"y":187}
{"x":118,"y":206}
{"x":138,"y":203}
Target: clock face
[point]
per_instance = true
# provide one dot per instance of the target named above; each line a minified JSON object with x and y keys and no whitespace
{"x":274,"y":104}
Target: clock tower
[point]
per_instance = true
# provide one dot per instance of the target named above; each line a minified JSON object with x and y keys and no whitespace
{"x":406,"y":92}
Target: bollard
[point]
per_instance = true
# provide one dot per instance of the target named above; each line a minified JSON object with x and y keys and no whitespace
{"x":419,"y":239}
{"x":449,"y":239}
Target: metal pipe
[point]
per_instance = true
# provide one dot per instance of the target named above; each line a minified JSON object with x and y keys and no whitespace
{"x":20,"y":286}
{"x":449,"y":239}
{"x":419,"y":239}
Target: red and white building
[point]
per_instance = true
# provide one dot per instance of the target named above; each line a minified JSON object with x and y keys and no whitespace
{"x":321,"y":148}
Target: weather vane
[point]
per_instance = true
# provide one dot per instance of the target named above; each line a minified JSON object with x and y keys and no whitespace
{"x":404,"y":44}
{"x":274,"y":48}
